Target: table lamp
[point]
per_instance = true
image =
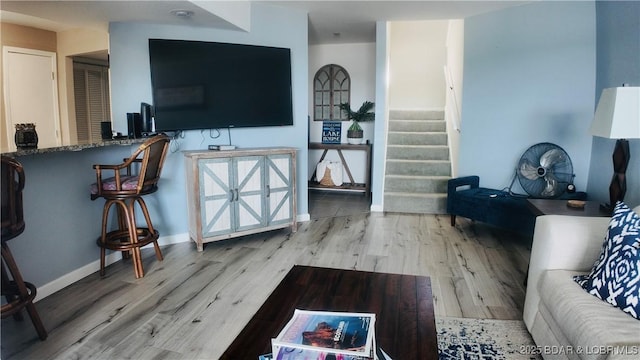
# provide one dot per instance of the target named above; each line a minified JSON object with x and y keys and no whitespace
{"x":618,"y":117}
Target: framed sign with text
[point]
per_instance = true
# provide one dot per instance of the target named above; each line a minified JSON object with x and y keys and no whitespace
{"x":331,"y":132}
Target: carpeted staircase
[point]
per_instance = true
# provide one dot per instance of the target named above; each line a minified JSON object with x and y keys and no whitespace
{"x":418,"y":164}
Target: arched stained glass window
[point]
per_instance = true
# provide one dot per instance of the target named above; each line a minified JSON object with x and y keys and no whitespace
{"x":331,"y":87}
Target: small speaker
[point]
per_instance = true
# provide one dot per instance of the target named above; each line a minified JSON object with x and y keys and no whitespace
{"x":134,"y":125}
{"x":146,"y":114}
{"x":105,"y":130}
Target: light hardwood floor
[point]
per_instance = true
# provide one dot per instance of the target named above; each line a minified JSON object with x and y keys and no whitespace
{"x":192,"y":305}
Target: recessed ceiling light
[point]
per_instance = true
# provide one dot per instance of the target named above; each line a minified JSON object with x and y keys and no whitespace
{"x":182,"y":13}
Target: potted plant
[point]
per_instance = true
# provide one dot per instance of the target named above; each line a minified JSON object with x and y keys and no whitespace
{"x":355,"y":133}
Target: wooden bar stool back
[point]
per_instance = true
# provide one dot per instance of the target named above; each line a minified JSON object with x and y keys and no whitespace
{"x":121,"y":185}
{"x":18,"y":293}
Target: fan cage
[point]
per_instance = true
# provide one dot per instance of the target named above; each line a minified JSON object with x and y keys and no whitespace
{"x":545,"y":170}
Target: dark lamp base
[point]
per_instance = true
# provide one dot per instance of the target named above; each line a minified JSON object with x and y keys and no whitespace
{"x":618,"y":186}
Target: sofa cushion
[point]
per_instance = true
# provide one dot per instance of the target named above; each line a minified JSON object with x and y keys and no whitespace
{"x":584,"y":320}
{"x":615,"y":277}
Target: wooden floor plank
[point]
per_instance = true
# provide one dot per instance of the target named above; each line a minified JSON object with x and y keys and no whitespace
{"x":193,"y":304}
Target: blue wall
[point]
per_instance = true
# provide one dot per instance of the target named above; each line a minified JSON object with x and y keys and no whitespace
{"x":131,"y":84}
{"x":528,"y":78}
{"x":62,"y":223}
{"x":618,"y":62}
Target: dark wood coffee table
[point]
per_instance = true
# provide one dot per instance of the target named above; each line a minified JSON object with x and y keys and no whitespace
{"x":403,"y":304}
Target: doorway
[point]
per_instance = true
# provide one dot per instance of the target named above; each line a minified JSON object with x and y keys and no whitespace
{"x":92,"y":99}
{"x":31,"y":94}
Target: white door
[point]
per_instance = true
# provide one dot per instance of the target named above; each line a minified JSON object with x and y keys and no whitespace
{"x":31,"y":94}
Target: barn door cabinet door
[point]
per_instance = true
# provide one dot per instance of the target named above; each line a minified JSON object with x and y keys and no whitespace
{"x":231,"y":194}
{"x":279,"y":189}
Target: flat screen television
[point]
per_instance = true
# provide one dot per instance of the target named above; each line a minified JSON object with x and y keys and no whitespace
{"x":212,"y":85}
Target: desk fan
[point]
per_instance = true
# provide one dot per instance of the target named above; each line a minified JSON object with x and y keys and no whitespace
{"x":545,"y":170}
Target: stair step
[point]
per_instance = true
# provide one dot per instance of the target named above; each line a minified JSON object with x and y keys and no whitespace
{"x":418,"y":125}
{"x":417,"y":138}
{"x":416,"y":184}
{"x":418,"y":167}
{"x":418,"y":152}
{"x":414,"y":203}
{"x":416,"y":114}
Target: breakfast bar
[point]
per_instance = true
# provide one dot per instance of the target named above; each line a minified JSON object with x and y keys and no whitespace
{"x":58,"y":245}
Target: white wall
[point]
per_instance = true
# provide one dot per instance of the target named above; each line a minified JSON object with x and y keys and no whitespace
{"x":453,"y":107}
{"x":359,"y":61}
{"x":418,"y":54}
{"x":382,"y":112}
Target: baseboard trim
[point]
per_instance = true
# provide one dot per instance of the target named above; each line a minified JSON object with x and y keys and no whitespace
{"x":82,"y":272}
{"x":76,"y":275}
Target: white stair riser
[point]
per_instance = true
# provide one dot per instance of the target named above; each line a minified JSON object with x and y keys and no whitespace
{"x":416,"y":114}
{"x":418,"y":168}
{"x":415,"y":204}
{"x":416,"y":185}
{"x":438,"y":152}
{"x":418,"y":125}
{"x":408,"y":138}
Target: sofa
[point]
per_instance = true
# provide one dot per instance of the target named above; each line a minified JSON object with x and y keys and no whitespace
{"x":499,"y":208}
{"x":564,"y":320}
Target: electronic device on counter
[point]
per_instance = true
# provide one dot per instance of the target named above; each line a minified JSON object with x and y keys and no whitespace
{"x":222,"y":147}
{"x":134,"y":125}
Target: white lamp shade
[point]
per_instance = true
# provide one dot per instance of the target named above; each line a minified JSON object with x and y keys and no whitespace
{"x":618,"y":114}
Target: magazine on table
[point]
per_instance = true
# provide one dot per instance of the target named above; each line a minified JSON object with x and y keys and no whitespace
{"x":332,"y":333}
{"x":285,"y":353}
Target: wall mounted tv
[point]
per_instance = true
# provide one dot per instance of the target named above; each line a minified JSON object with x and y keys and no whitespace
{"x":211,"y":85}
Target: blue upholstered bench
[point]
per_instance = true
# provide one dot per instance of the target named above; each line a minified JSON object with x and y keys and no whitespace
{"x":499,"y":208}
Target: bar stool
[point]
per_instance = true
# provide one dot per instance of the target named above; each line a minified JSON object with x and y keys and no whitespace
{"x":124,"y":189}
{"x":19,"y":294}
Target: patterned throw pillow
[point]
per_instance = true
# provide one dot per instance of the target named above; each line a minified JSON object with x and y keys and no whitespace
{"x":615,"y":277}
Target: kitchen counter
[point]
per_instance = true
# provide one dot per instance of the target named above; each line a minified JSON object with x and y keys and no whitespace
{"x":75,"y":147}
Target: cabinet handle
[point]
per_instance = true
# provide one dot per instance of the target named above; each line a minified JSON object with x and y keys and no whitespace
{"x":230,"y":195}
{"x":268,"y":191}
{"x":237,"y":195}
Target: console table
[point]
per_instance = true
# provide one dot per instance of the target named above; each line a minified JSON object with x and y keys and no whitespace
{"x":351,"y":185}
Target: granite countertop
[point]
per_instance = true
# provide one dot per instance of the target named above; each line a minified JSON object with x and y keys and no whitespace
{"x":75,"y":147}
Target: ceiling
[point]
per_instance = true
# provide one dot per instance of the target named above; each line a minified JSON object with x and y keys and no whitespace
{"x":329,"y":21}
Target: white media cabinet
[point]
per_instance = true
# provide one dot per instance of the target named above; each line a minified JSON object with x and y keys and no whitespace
{"x":239,"y":192}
